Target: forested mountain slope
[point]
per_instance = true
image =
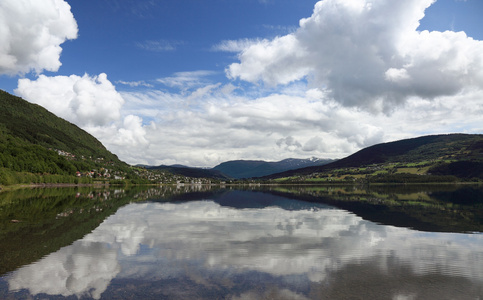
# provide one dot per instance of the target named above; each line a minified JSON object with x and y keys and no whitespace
{"x":35,"y":141}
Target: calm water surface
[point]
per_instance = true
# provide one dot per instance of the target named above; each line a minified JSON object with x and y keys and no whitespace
{"x":246,"y":244}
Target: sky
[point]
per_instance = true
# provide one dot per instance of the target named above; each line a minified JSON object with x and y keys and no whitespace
{"x":198,"y":83}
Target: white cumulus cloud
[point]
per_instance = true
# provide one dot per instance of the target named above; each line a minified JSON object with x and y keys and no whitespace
{"x":205,"y":129}
{"x":368,"y":54}
{"x":92,"y":103}
{"x":86,"y":100}
{"x":31,"y":33}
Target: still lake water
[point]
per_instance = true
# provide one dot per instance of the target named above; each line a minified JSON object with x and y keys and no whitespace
{"x":273,"y":243}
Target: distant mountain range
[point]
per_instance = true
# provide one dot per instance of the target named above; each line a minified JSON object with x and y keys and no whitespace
{"x":257,"y":168}
{"x":189,"y":171}
{"x":239,"y":169}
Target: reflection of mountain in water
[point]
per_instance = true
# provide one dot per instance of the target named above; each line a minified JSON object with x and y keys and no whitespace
{"x":53,"y":218}
{"x":427,"y":208}
{"x":238,"y":198}
{"x":36,"y":222}
{"x":245,"y":199}
{"x":439,"y":208}
{"x":467,"y":196}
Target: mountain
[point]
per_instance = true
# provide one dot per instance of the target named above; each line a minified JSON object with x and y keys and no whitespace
{"x":460,"y":155}
{"x":257,"y":168}
{"x":33,"y":123}
{"x":35,"y":141}
{"x":190,"y":172}
{"x":238,"y":169}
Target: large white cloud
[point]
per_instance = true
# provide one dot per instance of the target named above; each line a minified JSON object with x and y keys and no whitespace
{"x":217,"y":127}
{"x":92,"y":103}
{"x":368,"y":54}
{"x":82,"y":100}
{"x":31,"y":32}
{"x":210,"y":125}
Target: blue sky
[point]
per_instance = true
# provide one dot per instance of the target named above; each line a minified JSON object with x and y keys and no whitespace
{"x":202,"y":82}
{"x":146,"y":40}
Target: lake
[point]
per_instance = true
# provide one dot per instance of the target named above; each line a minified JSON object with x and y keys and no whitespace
{"x":275,"y":242}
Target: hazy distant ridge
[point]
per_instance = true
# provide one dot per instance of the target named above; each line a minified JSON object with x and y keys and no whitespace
{"x":239,"y":169}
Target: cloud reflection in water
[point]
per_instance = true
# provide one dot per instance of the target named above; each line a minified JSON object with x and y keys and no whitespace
{"x":197,"y":240}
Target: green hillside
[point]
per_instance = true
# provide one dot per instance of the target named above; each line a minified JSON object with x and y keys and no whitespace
{"x":433,"y":147}
{"x":37,"y":125}
{"x":36,"y":145}
{"x":434,"y":158}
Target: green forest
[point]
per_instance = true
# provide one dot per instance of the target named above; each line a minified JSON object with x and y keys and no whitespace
{"x":38,"y":147}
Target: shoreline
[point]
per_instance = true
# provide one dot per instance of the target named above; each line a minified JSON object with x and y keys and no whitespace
{"x":4,"y":188}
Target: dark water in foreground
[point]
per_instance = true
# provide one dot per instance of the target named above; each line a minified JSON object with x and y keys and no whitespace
{"x":277,"y":243}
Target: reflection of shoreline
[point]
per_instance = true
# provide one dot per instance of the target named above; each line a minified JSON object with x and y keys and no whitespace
{"x":439,"y":208}
{"x":50,"y":219}
{"x":149,"y":242}
{"x":422,"y":207}
{"x":53,"y":212}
